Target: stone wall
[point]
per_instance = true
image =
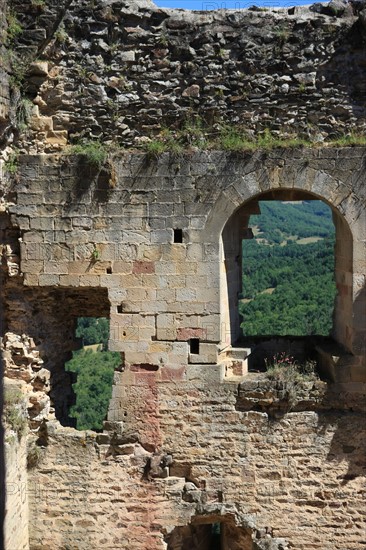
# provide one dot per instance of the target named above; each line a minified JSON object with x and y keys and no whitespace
{"x":298,"y":478}
{"x":16,"y":484}
{"x":237,"y":457}
{"x":120,"y":72}
{"x":4,"y":91}
{"x":153,"y":242}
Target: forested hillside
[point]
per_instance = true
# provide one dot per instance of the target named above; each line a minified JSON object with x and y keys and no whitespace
{"x":288,"y":270}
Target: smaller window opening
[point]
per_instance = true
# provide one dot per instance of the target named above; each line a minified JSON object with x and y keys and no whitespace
{"x":194,"y":345}
{"x":120,"y":308}
{"x":178,"y":235}
{"x":109,"y":270}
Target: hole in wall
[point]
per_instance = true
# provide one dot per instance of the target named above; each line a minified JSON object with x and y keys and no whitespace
{"x":109,"y":270}
{"x":288,"y":285}
{"x":264,"y":299}
{"x":210,"y":532}
{"x":120,"y":308}
{"x":194,"y":345}
{"x":45,"y":317}
{"x":92,"y":368}
{"x":178,"y":236}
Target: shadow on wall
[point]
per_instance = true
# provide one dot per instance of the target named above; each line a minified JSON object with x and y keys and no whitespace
{"x":348,"y":443}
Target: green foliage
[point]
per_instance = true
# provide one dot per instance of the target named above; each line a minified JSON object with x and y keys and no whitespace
{"x":34,"y":455}
{"x":233,"y":139}
{"x":166,"y":142}
{"x":93,"y":388}
{"x":95,"y":255}
{"x":163,"y":40}
{"x":155,"y":147}
{"x":23,"y":113}
{"x":14,"y":28}
{"x":289,"y":289}
{"x":93,"y":152}
{"x":282,"y":35}
{"x":195,"y":133}
{"x":14,"y":414}
{"x":39,"y":4}
{"x":93,"y":330}
{"x":19,"y":70}
{"x":11,"y":164}
{"x":94,"y":370}
{"x":61,"y":34}
{"x":350,"y":140}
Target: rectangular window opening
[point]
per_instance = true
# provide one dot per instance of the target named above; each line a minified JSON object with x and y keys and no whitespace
{"x":178,"y":235}
{"x":194,"y":345}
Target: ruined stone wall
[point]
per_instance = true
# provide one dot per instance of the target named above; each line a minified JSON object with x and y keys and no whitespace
{"x":189,"y":439}
{"x":4,"y":90}
{"x":122,"y":71}
{"x":299,"y":478}
{"x":232,"y":460}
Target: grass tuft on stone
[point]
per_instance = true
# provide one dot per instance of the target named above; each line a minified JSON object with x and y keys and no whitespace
{"x":94,"y":153}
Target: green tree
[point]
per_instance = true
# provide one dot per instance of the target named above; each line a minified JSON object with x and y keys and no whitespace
{"x":93,"y":330}
{"x":93,"y":388}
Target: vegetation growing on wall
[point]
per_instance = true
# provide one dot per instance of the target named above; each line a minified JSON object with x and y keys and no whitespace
{"x":14,"y":414}
{"x":288,"y":282}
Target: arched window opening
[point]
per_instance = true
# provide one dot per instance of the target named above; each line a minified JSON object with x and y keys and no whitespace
{"x":288,"y":285}
{"x":286,"y":278}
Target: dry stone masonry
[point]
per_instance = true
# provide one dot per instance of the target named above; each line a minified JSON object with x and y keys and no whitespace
{"x":192,"y":441}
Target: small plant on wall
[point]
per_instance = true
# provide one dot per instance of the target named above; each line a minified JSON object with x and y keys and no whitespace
{"x":92,"y":152}
{"x":289,"y":375}
{"x":14,"y":412}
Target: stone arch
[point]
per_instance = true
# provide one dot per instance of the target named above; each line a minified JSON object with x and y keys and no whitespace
{"x":237,"y":228}
{"x":294,"y":180}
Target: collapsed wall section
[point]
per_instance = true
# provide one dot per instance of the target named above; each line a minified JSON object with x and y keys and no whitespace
{"x":122,"y":73}
{"x":138,"y":236}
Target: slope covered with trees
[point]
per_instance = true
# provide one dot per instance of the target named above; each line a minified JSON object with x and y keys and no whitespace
{"x":288,"y":270}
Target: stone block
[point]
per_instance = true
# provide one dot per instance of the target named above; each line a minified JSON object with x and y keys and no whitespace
{"x":48,"y":279}
{"x":60,"y":268}
{"x":88,"y":280}
{"x":69,"y":280}
{"x":143,"y":267}
{"x":207,"y":354}
{"x":31,"y":279}
{"x":122,"y":267}
{"x":186,"y":294}
{"x":58,"y":137}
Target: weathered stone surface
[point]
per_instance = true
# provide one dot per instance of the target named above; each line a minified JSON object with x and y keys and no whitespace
{"x":190,"y":439}
{"x":144,"y":69}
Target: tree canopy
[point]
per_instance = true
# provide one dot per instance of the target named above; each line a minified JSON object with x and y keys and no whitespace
{"x":288,"y":274}
{"x":94,"y":370}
